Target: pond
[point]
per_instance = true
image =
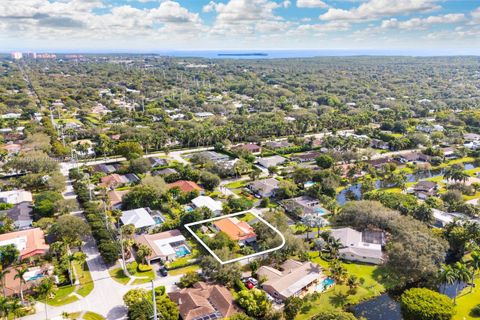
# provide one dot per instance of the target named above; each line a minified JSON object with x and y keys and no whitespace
{"x":387,"y":306}
{"x":412,"y":177}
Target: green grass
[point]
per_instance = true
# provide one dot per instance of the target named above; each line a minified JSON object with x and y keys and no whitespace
{"x":92,"y":316}
{"x":375,"y":283}
{"x":63,"y":296}
{"x":176,"y":272}
{"x":248,"y":217}
{"x":89,"y":315}
{"x":85,"y":278}
{"x":237,"y":184}
{"x":466,"y":301}
{"x":118,"y":275}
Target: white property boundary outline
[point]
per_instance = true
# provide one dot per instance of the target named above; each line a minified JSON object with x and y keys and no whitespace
{"x":188,"y":225}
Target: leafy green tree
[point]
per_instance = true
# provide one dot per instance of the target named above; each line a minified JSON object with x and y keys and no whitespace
{"x":209,"y":180}
{"x":129,"y":149}
{"x":46,"y":203}
{"x":324,"y":161}
{"x":292,"y":307}
{"x":8,"y":255}
{"x":189,"y":279}
{"x":334,"y":315}
{"x":425,"y":304}
{"x":254,"y":302}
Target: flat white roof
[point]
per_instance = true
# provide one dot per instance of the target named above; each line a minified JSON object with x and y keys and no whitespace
{"x":140,"y":218}
{"x":204,"y":201}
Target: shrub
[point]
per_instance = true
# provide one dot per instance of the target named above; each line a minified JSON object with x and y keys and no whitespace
{"x":425,"y":304}
{"x":144,"y":267}
{"x":476,"y":311}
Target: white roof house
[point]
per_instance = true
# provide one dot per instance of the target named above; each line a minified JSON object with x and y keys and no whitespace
{"x":355,"y":248}
{"x":15,"y":196}
{"x":140,"y":218}
{"x":207,"y":202}
{"x":272,"y":161}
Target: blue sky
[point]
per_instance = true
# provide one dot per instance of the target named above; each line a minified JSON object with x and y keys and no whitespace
{"x":156,"y":25}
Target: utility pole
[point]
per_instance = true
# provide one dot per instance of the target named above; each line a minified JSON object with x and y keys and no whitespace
{"x":154,"y":302}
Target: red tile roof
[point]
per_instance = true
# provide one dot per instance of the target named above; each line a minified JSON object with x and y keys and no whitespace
{"x":185,"y":186}
{"x":235,"y":229}
{"x":30,"y":242}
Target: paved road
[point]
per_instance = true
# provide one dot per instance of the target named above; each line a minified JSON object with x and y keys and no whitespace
{"x":107,"y":296}
{"x":175,"y":155}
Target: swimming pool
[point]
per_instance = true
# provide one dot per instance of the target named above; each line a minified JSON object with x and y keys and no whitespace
{"x":325,"y":284}
{"x":321,"y":211}
{"x":158,"y":220}
{"x":35,"y":277}
{"x":182,"y":251}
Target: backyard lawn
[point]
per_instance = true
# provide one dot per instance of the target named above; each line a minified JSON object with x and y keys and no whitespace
{"x":466,"y":301}
{"x":375,"y":283}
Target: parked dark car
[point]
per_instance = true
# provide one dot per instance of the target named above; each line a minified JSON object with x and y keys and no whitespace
{"x":163,"y":271}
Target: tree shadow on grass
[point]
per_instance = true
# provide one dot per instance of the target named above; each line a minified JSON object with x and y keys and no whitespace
{"x":339,"y":299}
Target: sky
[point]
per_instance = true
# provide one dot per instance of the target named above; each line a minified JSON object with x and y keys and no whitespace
{"x":158,"y":25}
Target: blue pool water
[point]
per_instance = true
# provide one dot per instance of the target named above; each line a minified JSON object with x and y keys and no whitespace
{"x":158,"y":220}
{"x":38,"y":276}
{"x":182,"y":251}
{"x":325,"y":284}
{"x":321,"y":211}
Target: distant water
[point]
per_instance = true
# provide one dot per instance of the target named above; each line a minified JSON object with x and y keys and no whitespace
{"x":283,"y":54}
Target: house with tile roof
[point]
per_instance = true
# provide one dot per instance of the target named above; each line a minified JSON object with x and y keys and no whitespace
{"x":30,"y":243}
{"x":294,"y":278}
{"x":115,"y":197}
{"x":204,"y":302}
{"x":185,"y":186}
{"x":236,"y":230}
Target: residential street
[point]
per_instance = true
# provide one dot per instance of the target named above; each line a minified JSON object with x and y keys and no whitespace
{"x":107,"y":296}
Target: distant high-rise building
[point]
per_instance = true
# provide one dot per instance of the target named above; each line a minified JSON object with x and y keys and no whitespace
{"x":31,"y":55}
{"x":17,"y":55}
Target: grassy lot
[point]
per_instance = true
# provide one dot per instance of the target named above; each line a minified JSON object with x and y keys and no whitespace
{"x":118,"y":275}
{"x":375,"y":283}
{"x":176,"y":272}
{"x":237,"y":184}
{"x":87,"y":316}
{"x":62,"y":296}
{"x":85,"y":278}
{"x":92,"y":316}
{"x":466,"y":301}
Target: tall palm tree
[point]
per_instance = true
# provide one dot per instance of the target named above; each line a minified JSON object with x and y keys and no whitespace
{"x":15,"y":308}
{"x":447,"y":275}
{"x":3,"y":273}
{"x":20,"y":272}
{"x":4,"y":307}
{"x":475,"y":265}
{"x":463,"y":274}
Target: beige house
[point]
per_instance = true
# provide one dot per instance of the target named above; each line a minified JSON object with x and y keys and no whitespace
{"x":296,"y":279}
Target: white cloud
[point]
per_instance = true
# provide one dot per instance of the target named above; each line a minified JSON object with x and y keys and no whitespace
{"x":246,"y":17}
{"x":311,"y":4}
{"x":376,"y":9}
{"x":476,"y":15}
{"x":286,"y":3}
{"x":423,"y":23}
{"x":320,"y":29}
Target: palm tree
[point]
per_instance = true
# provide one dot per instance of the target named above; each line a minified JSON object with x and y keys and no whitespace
{"x":44,"y":290}
{"x":20,"y":272}
{"x":16,"y":308}
{"x":463,"y":274}
{"x":447,"y":275}
{"x":4,"y":307}
{"x":352,"y":283}
{"x":475,"y":265}
{"x":3,"y":273}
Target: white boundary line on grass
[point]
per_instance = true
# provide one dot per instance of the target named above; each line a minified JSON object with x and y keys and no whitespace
{"x":188,"y":225}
